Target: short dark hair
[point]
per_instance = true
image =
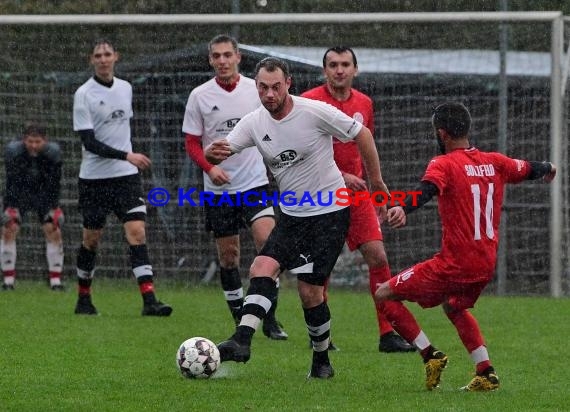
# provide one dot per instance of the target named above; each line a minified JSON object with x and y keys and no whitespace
{"x":271,"y":64}
{"x":34,"y":128}
{"x":452,"y":117}
{"x":223,"y":38}
{"x":100,"y":42}
{"x":339,"y":50}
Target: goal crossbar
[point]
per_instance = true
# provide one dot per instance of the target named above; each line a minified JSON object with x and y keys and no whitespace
{"x":288,"y":18}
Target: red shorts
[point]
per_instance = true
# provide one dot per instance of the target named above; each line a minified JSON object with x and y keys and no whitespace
{"x":432,"y":282}
{"x":364,"y":226}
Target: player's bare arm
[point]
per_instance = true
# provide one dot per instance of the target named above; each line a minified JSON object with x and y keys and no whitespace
{"x":370,"y":158}
{"x":218,"y":151}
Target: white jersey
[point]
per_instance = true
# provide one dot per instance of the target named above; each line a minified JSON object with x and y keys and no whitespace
{"x":298,"y":150}
{"x":107,"y":111}
{"x":212,"y":113}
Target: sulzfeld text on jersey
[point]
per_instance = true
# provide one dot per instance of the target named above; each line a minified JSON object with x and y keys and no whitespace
{"x":480,"y":170}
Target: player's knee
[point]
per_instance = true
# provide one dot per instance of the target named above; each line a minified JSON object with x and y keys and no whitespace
{"x":135,"y":232}
{"x":310,"y":295}
{"x":91,"y":239}
{"x":91,"y":244}
{"x":374,"y":254}
{"x":264,"y":266}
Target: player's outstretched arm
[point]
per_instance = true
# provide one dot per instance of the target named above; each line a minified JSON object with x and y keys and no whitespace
{"x":218,"y":151}
{"x":370,"y":158}
{"x":397,"y":216}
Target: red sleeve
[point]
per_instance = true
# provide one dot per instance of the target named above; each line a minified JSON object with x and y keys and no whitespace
{"x":436,"y":173}
{"x":196,"y":152}
{"x":514,"y":170}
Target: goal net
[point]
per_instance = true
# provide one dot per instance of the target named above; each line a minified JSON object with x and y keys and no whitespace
{"x":500,"y":68}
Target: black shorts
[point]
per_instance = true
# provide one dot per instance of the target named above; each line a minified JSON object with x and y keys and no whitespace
{"x":226,"y":219}
{"x":122,"y":196}
{"x":308,"y":246}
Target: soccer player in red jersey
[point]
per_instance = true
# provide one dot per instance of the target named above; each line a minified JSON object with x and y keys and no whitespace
{"x":469,"y":184}
{"x":340,"y":67}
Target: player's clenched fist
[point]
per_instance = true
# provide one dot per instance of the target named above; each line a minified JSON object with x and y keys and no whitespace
{"x":396,"y":217}
{"x":549,"y":177}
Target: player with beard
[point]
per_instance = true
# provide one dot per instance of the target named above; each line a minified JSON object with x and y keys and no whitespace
{"x":469,"y":185}
{"x":294,"y":136}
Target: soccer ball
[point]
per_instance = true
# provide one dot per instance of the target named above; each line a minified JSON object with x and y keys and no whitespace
{"x":197,"y":358}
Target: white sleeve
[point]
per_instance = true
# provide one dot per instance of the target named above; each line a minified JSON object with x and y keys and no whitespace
{"x":81,"y":115}
{"x":193,"y":120}
{"x":241,"y":137}
{"x":337,"y":123}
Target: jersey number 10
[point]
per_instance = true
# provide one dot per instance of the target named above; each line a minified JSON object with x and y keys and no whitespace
{"x":488,"y":207}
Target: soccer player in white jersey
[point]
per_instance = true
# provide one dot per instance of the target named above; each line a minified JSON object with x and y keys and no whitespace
{"x":109,"y":180}
{"x":294,"y":136}
{"x":212,"y":111}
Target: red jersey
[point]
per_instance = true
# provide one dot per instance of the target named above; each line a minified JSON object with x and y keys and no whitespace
{"x":359,"y":107}
{"x":471,"y":186}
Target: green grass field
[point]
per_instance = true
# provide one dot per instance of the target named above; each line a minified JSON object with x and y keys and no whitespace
{"x":53,"y":360}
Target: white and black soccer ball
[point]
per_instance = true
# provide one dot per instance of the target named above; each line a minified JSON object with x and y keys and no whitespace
{"x":198,"y":358}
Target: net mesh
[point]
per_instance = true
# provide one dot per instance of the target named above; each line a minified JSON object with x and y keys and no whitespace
{"x":406,"y":68}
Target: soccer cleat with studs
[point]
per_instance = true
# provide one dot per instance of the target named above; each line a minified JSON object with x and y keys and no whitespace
{"x":156,"y":309}
{"x":434,"y":367}
{"x":230,"y":350}
{"x":392,"y":342}
{"x":321,"y":371}
{"x":7,"y":287}
{"x":274,"y":330}
{"x":58,"y":288}
{"x":84,"y":306}
{"x":486,"y":382}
